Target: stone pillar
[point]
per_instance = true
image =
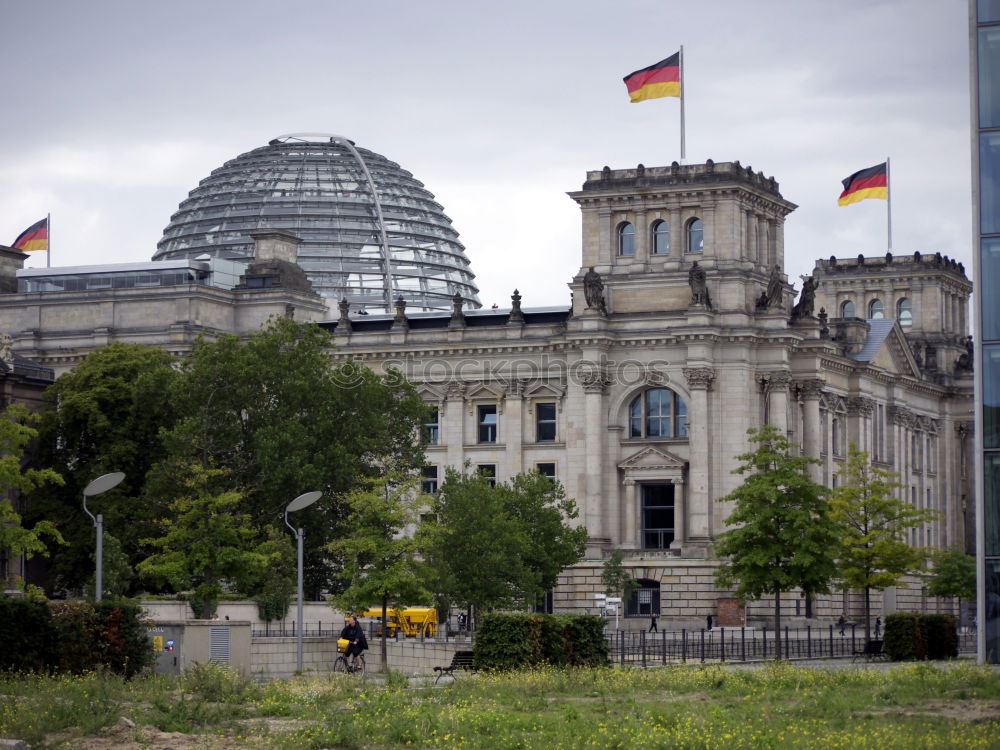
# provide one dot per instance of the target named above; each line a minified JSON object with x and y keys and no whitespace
{"x":676,"y":235}
{"x":812,"y":430}
{"x":859,"y":411}
{"x":630,"y":537}
{"x":608,"y":245}
{"x":513,"y":422}
{"x":594,"y":386}
{"x":642,"y":249}
{"x":753,"y":250}
{"x":777,"y":399}
{"x":452,"y":415}
{"x":699,"y":511}
{"x":680,"y":515}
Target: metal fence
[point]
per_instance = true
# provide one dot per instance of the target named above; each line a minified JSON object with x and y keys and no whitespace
{"x":642,"y":649}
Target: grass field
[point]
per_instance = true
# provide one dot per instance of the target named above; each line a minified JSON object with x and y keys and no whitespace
{"x":910,"y":706}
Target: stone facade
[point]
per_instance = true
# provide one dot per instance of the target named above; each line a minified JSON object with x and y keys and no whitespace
{"x":681,"y":336}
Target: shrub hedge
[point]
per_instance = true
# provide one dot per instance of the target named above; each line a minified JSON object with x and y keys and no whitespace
{"x":912,"y":636}
{"x":73,"y":636}
{"x":511,"y":641}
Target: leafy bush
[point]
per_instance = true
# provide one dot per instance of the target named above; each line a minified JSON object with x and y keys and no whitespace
{"x":940,"y":636}
{"x":509,"y":641}
{"x":901,"y":636}
{"x":909,"y":636}
{"x":109,"y":634}
{"x":73,"y":637}
{"x":27,"y":635}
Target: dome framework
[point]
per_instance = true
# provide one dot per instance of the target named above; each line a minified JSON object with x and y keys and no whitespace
{"x":370,"y":231}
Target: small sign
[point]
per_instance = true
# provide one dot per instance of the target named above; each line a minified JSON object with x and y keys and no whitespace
{"x":157,"y":643}
{"x":614,"y":600}
{"x":600,"y":597}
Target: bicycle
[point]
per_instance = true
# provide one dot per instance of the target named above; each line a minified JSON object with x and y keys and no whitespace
{"x":343,"y":665}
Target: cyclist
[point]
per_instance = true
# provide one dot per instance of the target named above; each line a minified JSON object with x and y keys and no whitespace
{"x":355,"y":635}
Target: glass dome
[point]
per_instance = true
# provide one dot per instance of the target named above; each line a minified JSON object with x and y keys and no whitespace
{"x":320,"y":188}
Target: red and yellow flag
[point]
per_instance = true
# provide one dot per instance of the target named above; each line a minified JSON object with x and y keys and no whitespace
{"x":35,"y":237}
{"x":661,"y":79}
{"x":868,"y":183}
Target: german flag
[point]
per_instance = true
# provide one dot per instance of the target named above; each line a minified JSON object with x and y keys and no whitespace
{"x":868,"y":183}
{"x":661,"y":79}
{"x":35,"y":237}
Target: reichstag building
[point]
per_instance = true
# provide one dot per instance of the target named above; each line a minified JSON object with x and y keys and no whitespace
{"x":683,"y":332}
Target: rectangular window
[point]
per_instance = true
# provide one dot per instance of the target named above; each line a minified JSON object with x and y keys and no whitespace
{"x":547,"y":470}
{"x":545,"y":422}
{"x":989,"y":75}
{"x":658,"y":415}
{"x":432,"y":428}
{"x":429,"y":484}
{"x":489,"y":471}
{"x":487,"y":424}
{"x":987,"y":10}
{"x":991,"y":396}
{"x":989,"y":272}
{"x":657,"y":516}
{"x":989,"y":182}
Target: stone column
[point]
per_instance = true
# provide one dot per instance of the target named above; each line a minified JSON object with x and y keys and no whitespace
{"x":699,"y":509}
{"x":676,"y":235}
{"x":642,"y":249}
{"x":514,"y":427}
{"x":608,"y":245}
{"x":452,"y":415}
{"x":630,"y":536}
{"x":752,"y":247}
{"x":812,"y":431}
{"x":594,"y":386}
{"x":859,"y":411}
{"x":777,"y":399}
{"x":680,"y":515}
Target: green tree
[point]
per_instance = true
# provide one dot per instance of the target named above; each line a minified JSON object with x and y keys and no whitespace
{"x":781,"y":536}
{"x":954,"y":574}
{"x":117,"y":573}
{"x":499,"y":546}
{"x":16,"y":432}
{"x":616,"y":579}
{"x":206,"y":540}
{"x":380,"y":562}
{"x":105,"y":415}
{"x":275,"y":410}
{"x":872,"y":553}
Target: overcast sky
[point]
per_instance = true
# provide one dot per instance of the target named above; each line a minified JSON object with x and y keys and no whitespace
{"x":115,"y":109}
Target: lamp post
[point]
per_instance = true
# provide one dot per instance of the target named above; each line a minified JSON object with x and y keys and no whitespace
{"x":302,"y":501}
{"x":103,"y":483}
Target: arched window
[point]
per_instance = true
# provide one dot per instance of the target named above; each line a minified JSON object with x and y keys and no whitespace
{"x":904,"y":312}
{"x":847,"y":309}
{"x":645,"y":599}
{"x":876,"y":311}
{"x":626,"y":239}
{"x":661,"y":238}
{"x":695,"y":236}
{"x":657,"y":413}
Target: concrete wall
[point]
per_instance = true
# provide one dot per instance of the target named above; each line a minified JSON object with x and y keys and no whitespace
{"x":314,"y":614}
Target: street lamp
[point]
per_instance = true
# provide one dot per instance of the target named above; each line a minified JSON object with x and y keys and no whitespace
{"x":103,"y":483}
{"x":302,"y":501}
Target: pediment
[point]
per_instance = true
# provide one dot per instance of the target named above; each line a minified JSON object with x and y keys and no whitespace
{"x":652,"y":459}
{"x":896,"y":356}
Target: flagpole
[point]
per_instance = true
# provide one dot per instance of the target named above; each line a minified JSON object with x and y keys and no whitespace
{"x":48,"y":240}
{"x":888,"y":200}
{"x":681,"y":60}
